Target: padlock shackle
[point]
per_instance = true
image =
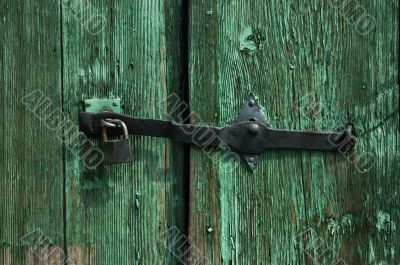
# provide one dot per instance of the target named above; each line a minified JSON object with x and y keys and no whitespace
{"x":113,"y":123}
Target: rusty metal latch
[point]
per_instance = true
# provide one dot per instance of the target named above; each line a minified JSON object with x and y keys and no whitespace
{"x":249,"y":136}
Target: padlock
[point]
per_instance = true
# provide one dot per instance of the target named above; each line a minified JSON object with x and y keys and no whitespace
{"x":115,"y":151}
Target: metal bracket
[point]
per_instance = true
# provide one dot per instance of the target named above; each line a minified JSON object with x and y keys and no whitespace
{"x":103,"y":105}
{"x":249,"y":136}
{"x":252,"y":111}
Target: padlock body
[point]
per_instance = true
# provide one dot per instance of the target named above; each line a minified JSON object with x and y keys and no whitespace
{"x":116,"y":152}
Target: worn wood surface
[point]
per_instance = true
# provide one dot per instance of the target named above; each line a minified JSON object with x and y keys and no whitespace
{"x":115,"y":215}
{"x":311,"y":69}
{"x":31,"y":176}
{"x":124,"y":210}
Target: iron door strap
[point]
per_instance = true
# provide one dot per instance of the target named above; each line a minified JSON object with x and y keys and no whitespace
{"x":249,"y":136}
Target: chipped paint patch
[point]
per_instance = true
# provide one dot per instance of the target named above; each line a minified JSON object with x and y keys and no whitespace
{"x":137,"y":197}
{"x":371,"y":253}
{"x":348,"y":224}
{"x":333,"y":227}
{"x":227,"y":215}
{"x":384,"y":222}
{"x":251,"y":40}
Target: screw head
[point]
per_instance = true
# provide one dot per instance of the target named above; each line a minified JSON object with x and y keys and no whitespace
{"x":251,"y":160}
{"x":252,"y":102}
{"x":254,"y":128}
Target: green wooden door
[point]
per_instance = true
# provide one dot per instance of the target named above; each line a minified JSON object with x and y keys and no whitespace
{"x":54,"y":55}
{"x":314,"y":65}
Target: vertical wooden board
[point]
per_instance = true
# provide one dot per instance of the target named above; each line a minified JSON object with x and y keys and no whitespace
{"x":5,"y":256}
{"x":46,"y":255}
{"x":31,"y":176}
{"x":313,"y":68}
{"x":124,"y":210}
{"x":82,"y":254}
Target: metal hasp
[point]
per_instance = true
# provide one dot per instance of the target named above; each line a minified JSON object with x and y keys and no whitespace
{"x":249,"y":136}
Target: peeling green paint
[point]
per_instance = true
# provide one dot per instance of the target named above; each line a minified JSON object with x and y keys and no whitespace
{"x":137,"y":62}
{"x":312,"y":71}
{"x":251,"y":40}
{"x":296,"y":48}
{"x":348,"y":224}
{"x":384,"y":222}
{"x":371,"y":252}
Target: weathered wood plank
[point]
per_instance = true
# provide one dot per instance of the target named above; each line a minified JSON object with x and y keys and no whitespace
{"x":47,"y":255}
{"x":124,"y":209}
{"x":31,"y":176}
{"x":82,"y":254}
{"x":5,"y":256}
{"x":312,"y":69}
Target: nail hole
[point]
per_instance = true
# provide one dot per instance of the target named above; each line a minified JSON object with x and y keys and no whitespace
{"x":253,"y":119}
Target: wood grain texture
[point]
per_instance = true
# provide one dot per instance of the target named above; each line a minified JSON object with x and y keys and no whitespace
{"x":125,"y":209}
{"x":5,"y":256}
{"x":82,"y":254}
{"x":47,"y":255}
{"x":31,"y":177}
{"x":311,"y":71}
